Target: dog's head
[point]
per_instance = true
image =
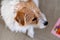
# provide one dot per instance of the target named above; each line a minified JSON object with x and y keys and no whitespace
{"x":28,"y":13}
{"x":26,"y":16}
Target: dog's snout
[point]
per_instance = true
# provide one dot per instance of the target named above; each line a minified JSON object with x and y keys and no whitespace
{"x":46,"y":23}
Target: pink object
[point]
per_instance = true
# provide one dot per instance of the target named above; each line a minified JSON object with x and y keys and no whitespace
{"x":53,"y":30}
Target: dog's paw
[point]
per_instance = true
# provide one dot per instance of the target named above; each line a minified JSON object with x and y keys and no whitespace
{"x":31,"y":32}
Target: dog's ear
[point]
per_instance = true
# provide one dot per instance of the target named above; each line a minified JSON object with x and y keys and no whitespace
{"x":20,"y":18}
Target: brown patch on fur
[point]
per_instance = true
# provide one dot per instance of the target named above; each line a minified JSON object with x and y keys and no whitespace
{"x":20,"y":17}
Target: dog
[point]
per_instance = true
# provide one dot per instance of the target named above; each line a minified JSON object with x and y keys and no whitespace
{"x":23,"y":16}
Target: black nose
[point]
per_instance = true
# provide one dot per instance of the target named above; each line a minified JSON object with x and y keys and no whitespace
{"x":46,"y":23}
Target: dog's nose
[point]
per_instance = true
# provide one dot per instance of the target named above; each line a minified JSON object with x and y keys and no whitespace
{"x":46,"y":23}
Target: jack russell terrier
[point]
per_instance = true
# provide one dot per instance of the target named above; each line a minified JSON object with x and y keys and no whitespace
{"x":23,"y":16}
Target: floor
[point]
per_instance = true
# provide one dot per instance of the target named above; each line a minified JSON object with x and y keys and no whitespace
{"x":52,"y":10}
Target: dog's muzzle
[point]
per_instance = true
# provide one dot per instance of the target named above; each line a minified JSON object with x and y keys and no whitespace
{"x":46,"y":23}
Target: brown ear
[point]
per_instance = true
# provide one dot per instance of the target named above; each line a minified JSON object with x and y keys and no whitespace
{"x":20,"y":18}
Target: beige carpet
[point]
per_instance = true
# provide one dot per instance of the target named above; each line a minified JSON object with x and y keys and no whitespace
{"x":52,"y":10}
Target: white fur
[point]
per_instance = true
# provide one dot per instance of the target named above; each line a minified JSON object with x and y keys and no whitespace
{"x":7,"y":13}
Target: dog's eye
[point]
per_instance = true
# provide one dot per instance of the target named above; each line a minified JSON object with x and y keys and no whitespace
{"x":34,"y":19}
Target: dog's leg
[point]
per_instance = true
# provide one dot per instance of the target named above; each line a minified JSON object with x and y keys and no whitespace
{"x":31,"y":32}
